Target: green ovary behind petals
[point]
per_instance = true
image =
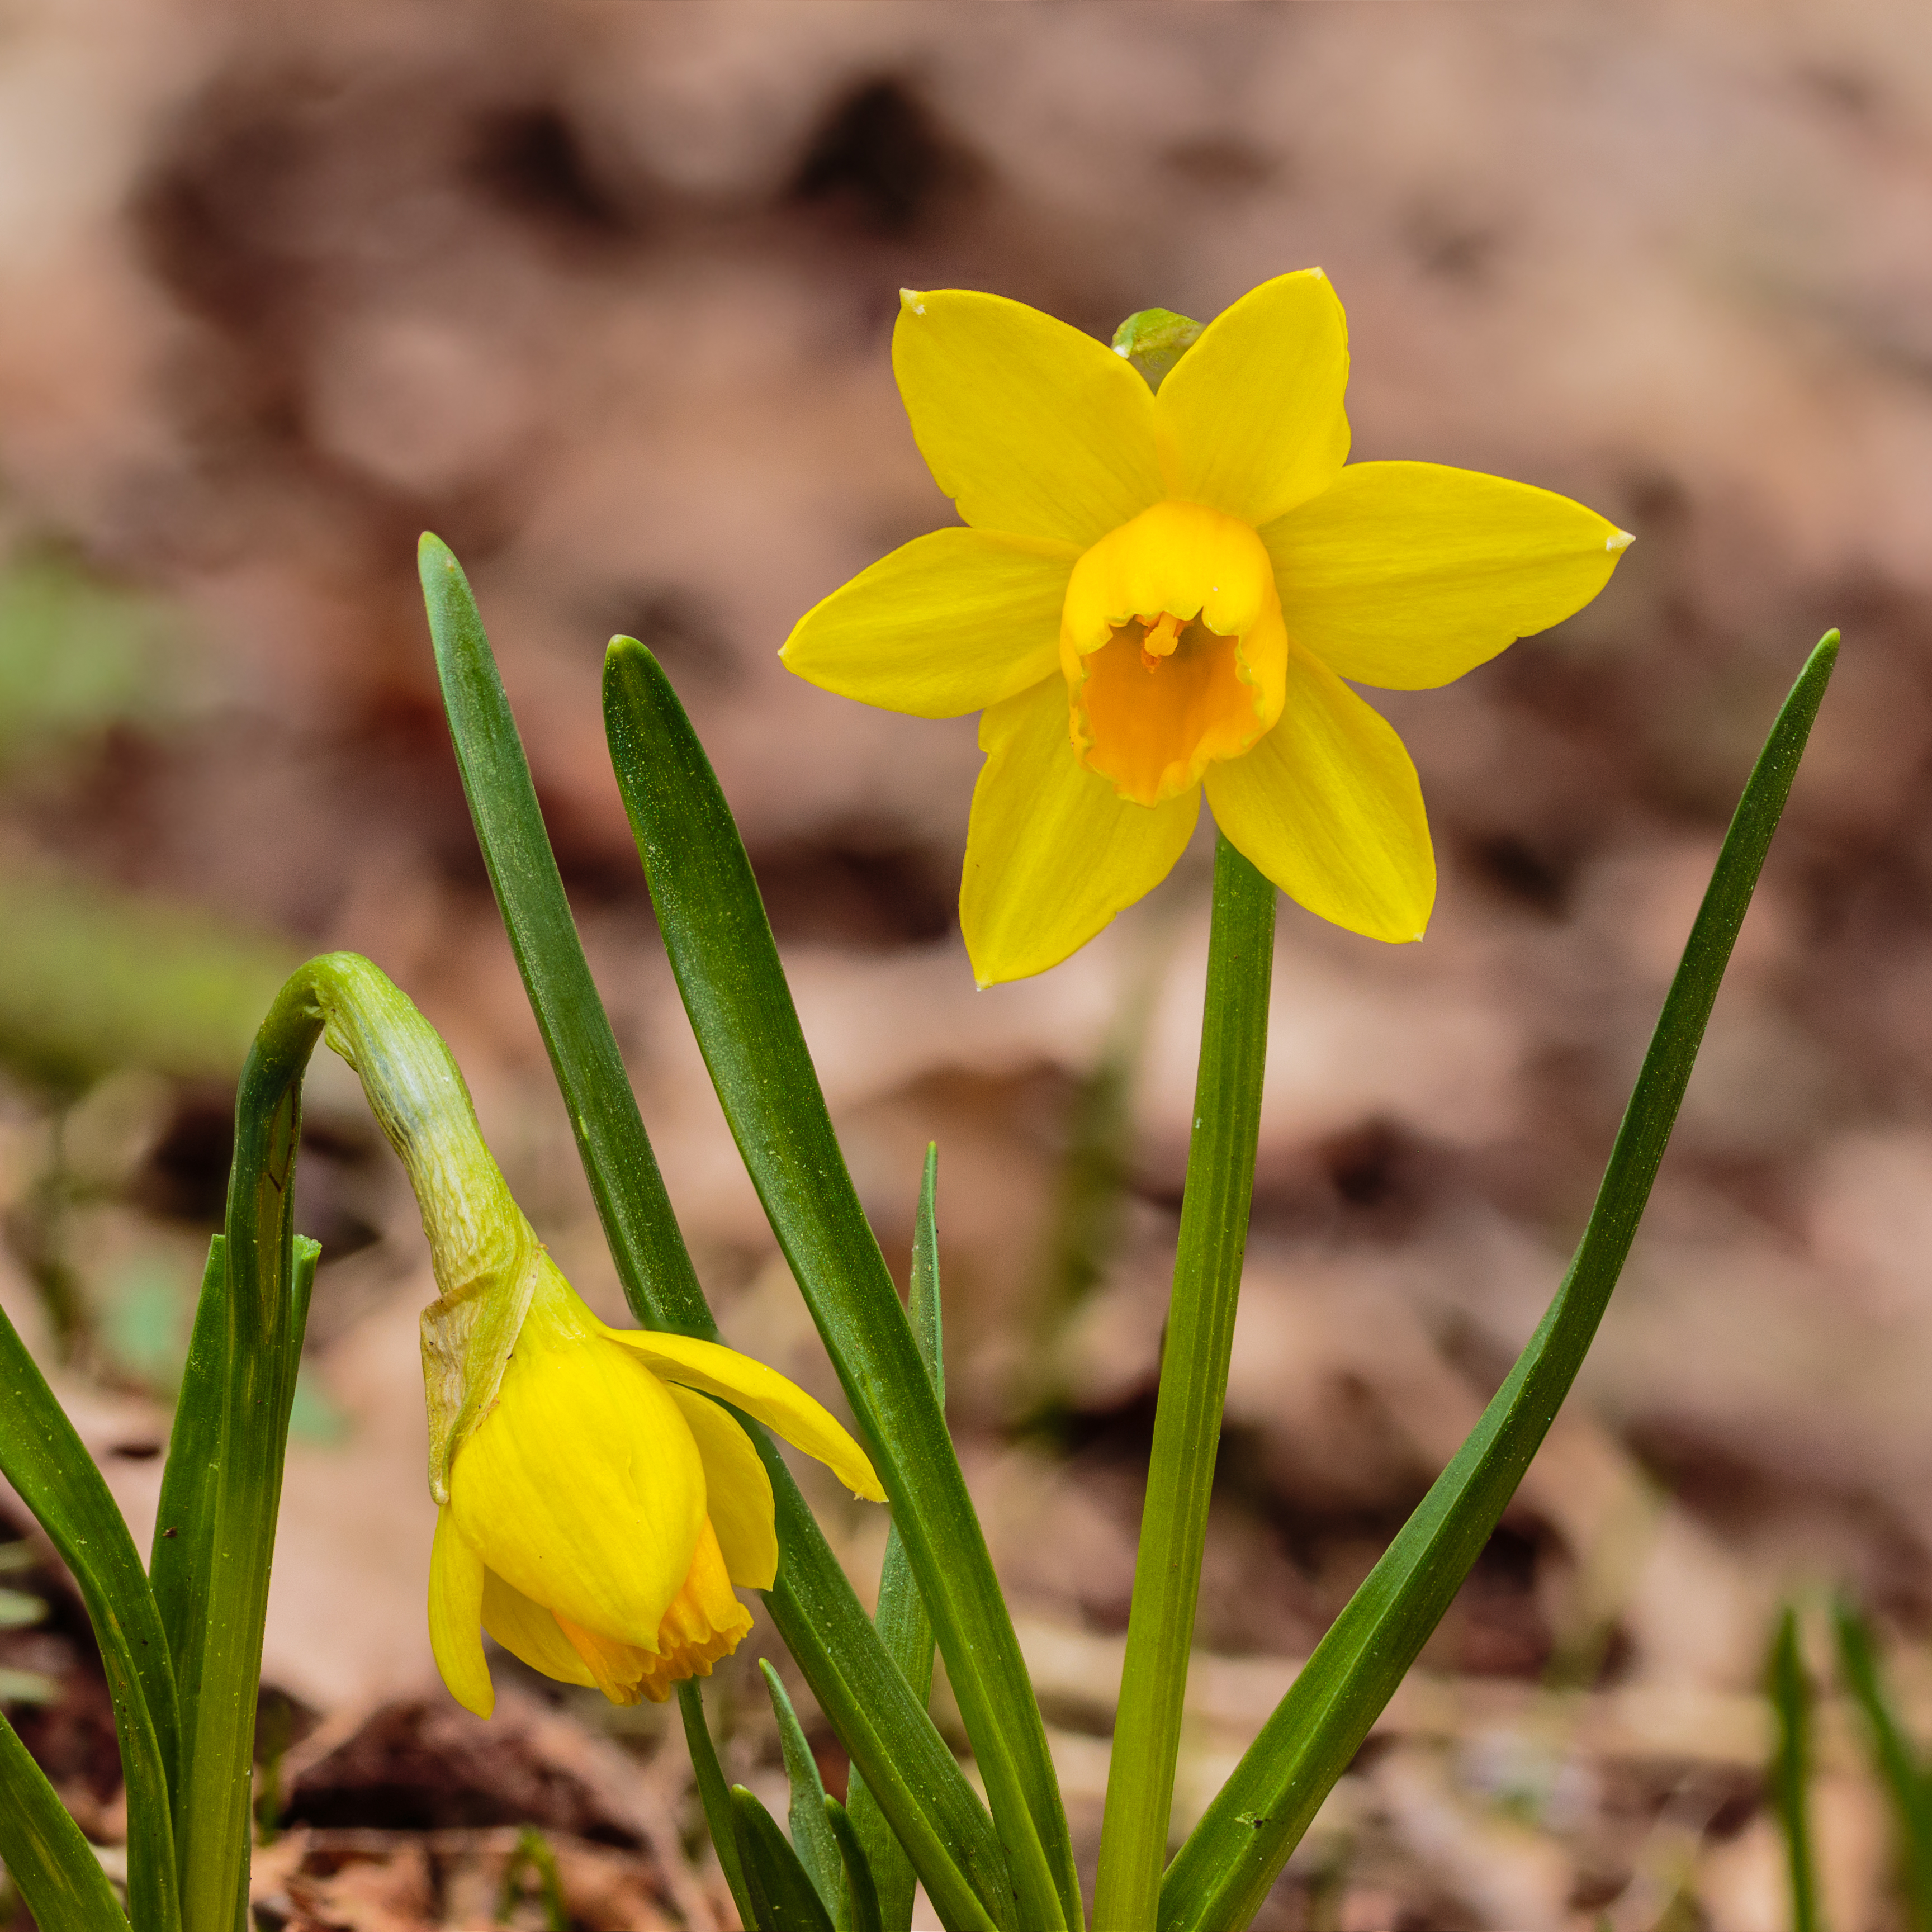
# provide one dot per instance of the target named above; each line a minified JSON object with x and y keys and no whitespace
{"x":1251,"y":418}
{"x":1408,"y":574}
{"x":1029,"y":426}
{"x":1052,"y":853}
{"x":582,"y":1487}
{"x":1328,"y":806}
{"x":949,"y":623}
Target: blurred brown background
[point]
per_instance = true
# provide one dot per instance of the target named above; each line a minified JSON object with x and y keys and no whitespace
{"x":602,"y":293}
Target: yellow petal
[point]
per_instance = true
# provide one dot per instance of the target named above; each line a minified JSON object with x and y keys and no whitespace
{"x":1029,"y":426}
{"x":1328,"y":806}
{"x":1408,"y":574}
{"x":1251,"y":417}
{"x":1051,"y":852}
{"x":582,"y":1487}
{"x":528,"y":1630}
{"x":761,"y":1392}
{"x":705,"y":1622}
{"x":737,"y":1491}
{"x":949,"y":623}
{"x":456,"y":1617}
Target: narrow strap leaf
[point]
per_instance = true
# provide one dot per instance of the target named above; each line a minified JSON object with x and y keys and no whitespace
{"x":1218,"y":1879}
{"x":42,"y":1456}
{"x":740,"y":1008}
{"x":625,"y":1181}
{"x":1893,"y":1758}
{"x":933,"y":1809}
{"x":783,"y":1897}
{"x":714,"y":1795}
{"x":1193,"y":1388}
{"x":903,"y":1627}
{"x":859,"y":1889}
{"x":1789,"y":1687}
{"x":177,"y":1562}
{"x":811,"y":1837}
{"x":43,"y":1851}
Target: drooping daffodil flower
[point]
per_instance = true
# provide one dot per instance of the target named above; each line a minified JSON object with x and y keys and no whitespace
{"x":1168,"y":569}
{"x":601,"y":1512}
{"x":597,"y":1506}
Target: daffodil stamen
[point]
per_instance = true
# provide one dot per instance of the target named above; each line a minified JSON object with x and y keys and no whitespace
{"x":1161,"y":636}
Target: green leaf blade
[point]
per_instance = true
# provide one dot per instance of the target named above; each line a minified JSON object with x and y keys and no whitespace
{"x":1220,"y":1877}
{"x":714,"y":1794}
{"x":903,"y":1627}
{"x":811,"y":1834}
{"x":784,"y":1898}
{"x":861,"y":1893}
{"x":740,"y":1008}
{"x":933,"y":1809}
{"x":625,"y":1180}
{"x":44,"y":1853}
{"x":42,"y":1455}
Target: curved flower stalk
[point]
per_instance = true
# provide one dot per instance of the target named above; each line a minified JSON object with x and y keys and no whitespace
{"x":1160,"y":594}
{"x":596,"y":1504}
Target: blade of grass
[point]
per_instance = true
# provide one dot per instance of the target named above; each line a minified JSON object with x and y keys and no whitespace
{"x":45,"y":1854}
{"x":783,"y":1896}
{"x":811,"y":1836}
{"x":1220,"y":1877}
{"x":903,"y":1627}
{"x":740,"y":1008}
{"x":1789,"y":1688}
{"x":1893,"y":1758}
{"x":532,"y":1853}
{"x":43,"y":1456}
{"x":1193,"y":1387}
{"x":892,"y":1739}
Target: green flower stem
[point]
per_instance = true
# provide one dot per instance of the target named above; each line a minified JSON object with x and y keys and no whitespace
{"x":219,"y":1664}
{"x":1193,"y":1385}
{"x":232,"y":1428}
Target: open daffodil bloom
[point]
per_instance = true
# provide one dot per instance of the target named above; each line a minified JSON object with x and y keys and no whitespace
{"x":1162,"y":593}
{"x":601,"y":1512}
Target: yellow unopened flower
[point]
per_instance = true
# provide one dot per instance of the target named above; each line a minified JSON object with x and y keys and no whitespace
{"x":601,"y":1511}
{"x":596,"y":1508}
{"x":1162,"y":593}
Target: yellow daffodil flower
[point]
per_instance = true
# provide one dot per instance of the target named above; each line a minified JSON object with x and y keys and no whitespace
{"x":601,"y":1511}
{"x":596,"y":1507}
{"x":1160,"y":591}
